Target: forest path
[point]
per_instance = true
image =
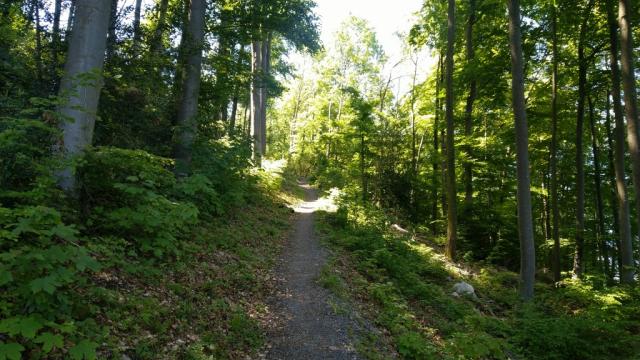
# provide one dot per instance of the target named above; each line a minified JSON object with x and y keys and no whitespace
{"x":309,"y":327}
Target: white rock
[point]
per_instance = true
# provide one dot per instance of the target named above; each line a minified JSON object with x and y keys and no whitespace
{"x":399,"y":229}
{"x":464,"y":289}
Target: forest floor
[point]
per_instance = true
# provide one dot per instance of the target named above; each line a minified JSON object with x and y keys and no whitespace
{"x":311,"y":323}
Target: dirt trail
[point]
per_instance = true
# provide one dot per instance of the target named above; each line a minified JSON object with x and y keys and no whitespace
{"x":309,"y":327}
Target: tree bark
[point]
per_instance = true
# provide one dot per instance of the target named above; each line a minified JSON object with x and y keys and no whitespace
{"x":554,"y":151}
{"x":631,"y":111}
{"x":264,"y":97}
{"x":452,"y":233}
{"x":525,"y":222}
{"x":35,"y":8}
{"x":436,"y":148}
{"x":70,"y":19}
{"x":186,"y":121}
{"x":137,"y":32}
{"x":156,"y":41}
{"x":468,"y":122}
{"x":55,"y":45}
{"x":234,"y":113}
{"x":600,"y":231}
{"x":256,"y":107}
{"x":85,"y":56}
{"x":111,"y":35}
{"x":623,"y":203}
{"x":578,"y":260}
{"x":612,"y":181}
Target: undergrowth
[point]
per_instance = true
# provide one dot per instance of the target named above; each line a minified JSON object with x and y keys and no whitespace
{"x":140,"y":263}
{"x":404,"y":286}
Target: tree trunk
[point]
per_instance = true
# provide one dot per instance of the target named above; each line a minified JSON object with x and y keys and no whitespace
{"x":468,"y":122}
{"x":256,"y":107}
{"x":85,"y":55}
{"x":600,"y":231}
{"x":70,"y":19}
{"x":137,"y":32}
{"x":525,"y":222}
{"x":55,"y":45}
{"x":363,"y":176}
{"x":546,"y":216}
{"x":266,"y":72}
{"x":38,"y":50}
{"x":414,"y":143}
{"x":111,"y":35}
{"x":156,"y":41}
{"x":631,"y":110}
{"x":612,"y":181}
{"x":186,"y":121}
{"x":623,"y":203}
{"x":554,"y":152}
{"x":234,"y":113}
{"x":451,"y":160}
{"x":436,"y":148}
{"x":578,"y":260}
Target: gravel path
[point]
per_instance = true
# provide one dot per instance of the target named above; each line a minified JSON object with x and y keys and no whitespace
{"x":309,"y":327}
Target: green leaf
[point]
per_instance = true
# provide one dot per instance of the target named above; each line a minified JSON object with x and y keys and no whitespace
{"x":47,"y":284}
{"x":10,"y":326}
{"x":85,"y":349}
{"x":5,"y":277}
{"x":26,"y":326}
{"x":29,"y":327}
{"x":64,"y":232}
{"x":49,"y":341}
{"x":84,"y":261}
{"x":11,"y":351}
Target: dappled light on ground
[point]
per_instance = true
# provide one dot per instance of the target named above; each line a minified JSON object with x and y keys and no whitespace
{"x":325,"y":203}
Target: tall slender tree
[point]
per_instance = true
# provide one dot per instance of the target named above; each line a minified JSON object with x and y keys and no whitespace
{"x":137,"y":30}
{"x":611,"y":174}
{"x":256,"y":100}
{"x":597,"y":180}
{"x":436,"y":152}
{"x":624,"y":222}
{"x":471,"y":98}
{"x":82,"y":81}
{"x":555,"y":212}
{"x":452,"y":232}
{"x":186,"y":121}
{"x":578,"y":259}
{"x":55,"y":45}
{"x":525,"y":222}
{"x":631,"y":112}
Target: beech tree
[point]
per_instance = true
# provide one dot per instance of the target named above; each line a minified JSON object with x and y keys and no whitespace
{"x":82,"y":81}
{"x":187,"y":124}
{"x":525,"y":226}
{"x":631,"y":112}
{"x":452,"y":231}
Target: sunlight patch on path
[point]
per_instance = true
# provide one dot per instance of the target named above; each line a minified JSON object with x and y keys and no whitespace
{"x":325,"y":203}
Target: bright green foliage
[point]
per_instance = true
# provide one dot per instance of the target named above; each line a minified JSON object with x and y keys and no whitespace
{"x":10,"y":351}
{"x":42,"y":270}
{"x":127,"y":194}
{"x":84,"y":350}
{"x":410,"y":285}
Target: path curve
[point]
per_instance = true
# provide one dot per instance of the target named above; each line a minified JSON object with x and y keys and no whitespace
{"x":309,"y":327}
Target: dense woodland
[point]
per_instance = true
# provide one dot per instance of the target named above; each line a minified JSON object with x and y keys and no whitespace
{"x":134,"y":138}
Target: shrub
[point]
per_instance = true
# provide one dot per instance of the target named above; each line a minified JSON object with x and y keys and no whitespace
{"x":42,"y":273}
{"x":128,"y":194}
{"x":25,"y":150}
